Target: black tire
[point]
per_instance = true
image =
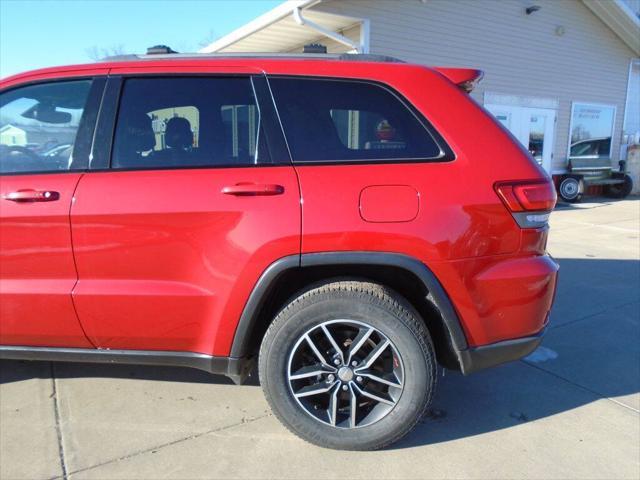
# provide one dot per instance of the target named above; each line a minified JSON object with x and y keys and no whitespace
{"x":621,"y":190}
{"x":377,"y":307}
{"x":571,"y":189}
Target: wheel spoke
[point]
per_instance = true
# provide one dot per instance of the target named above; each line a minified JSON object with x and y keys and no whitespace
{"x":333,"y":342}
{"x":315,"y":389}
{"x":311,"y":371}
{"x":374,"y":397}
{"x":378,"y":379}
{"x":333,"y":406}
{"x":315,"y":350}
{"x":353,"y":407}
{"x":345,"y":373}
{"x":362,"y":337}
{"x":373,"y":356}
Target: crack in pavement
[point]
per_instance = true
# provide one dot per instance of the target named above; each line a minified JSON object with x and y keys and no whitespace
{"x":560,"y":377}
{"x":587,"y":389}
{"x":56,"y":411}
{"x":591,"y":315}
{"x":164,"y":445}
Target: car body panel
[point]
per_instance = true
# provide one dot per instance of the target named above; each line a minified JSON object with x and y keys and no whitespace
{"x":168,"y":262}
{"x":37,"y":272}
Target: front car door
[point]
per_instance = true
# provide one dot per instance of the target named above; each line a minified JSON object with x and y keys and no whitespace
{"x":199,"y":198}
{"x":46,"y":130}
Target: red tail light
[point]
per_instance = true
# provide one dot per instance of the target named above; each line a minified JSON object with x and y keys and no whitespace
{"x":529,"y":201}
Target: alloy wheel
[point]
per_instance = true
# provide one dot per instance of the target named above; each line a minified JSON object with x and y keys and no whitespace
{"x":345,"y":373}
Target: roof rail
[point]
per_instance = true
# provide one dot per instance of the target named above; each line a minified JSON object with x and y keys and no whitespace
{"x":350,"y":57}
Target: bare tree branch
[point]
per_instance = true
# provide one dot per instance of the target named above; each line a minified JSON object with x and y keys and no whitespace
{"x":98,"y":53}
{"x":211,"y":37}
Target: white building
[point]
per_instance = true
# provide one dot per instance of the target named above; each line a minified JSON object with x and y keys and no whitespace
{"x":11,"y":135}
{"x":557,"y":72}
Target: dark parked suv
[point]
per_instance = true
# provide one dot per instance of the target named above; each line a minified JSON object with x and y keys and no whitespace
{"x":351,"y":222}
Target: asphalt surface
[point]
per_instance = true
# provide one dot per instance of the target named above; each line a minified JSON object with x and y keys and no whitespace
{"x":570,"y":410}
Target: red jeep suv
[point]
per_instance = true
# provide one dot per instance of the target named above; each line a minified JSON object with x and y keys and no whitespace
{"x":350,"y":221}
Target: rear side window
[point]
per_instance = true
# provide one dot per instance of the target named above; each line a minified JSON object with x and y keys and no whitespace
{"x":340,"y":120}
{"x":188,"y":122}
{"x":39,"y":125}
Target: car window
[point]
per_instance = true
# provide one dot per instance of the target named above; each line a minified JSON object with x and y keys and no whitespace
{"x":188,"y":122}
{"x":39,"y":125}
{"x":599,"y":148}
{"x":336,"y":120}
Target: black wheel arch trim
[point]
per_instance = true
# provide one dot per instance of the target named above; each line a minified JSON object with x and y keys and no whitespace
{"x":268,"y":280}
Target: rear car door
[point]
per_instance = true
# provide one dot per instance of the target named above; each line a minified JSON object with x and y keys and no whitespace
{"x":46,"y":129}
{"x":194,"y":199}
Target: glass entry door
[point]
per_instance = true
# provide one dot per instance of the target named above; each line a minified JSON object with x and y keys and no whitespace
{"x":533,"y":127}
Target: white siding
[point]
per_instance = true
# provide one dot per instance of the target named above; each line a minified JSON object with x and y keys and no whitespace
{"x":520,"y":54}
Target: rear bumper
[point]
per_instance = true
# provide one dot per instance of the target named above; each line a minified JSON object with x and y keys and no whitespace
{"x":503,"y":304}
{"x":500,"y":298}
{"x":485,"y":356}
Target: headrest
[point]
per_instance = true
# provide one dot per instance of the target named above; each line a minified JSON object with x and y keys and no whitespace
{"x":139,"y":133}
{"x":178,"y":133}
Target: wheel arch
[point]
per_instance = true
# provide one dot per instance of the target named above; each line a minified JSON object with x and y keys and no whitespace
{"x":288,"y":275}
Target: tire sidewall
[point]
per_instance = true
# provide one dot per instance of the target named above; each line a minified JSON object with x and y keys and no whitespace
{"x":621,"y":190}
{"x":570,"y":197}
{"x":419,"y":371}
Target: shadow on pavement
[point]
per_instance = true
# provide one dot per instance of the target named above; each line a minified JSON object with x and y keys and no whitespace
{"x":590,"y":351}
{"x":595,"y":201}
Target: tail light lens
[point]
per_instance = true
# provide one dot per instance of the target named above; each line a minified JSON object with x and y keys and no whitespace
{"x":530,"y":202}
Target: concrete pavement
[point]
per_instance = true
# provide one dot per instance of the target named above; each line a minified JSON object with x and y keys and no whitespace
{"x":570,"y":410}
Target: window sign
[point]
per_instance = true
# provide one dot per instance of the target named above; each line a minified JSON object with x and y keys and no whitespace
{"x":591,"y":130}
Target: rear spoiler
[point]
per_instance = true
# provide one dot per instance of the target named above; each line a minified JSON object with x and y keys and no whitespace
{"x":465,"y":78}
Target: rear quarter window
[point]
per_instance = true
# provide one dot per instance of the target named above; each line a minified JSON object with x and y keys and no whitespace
{"x":349,"y":120}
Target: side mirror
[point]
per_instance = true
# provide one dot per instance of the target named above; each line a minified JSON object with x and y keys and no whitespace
{"x":47,"y":113}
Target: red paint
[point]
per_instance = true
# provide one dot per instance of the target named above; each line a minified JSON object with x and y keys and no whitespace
{"x":167,"y":263}
{"x":167,"y":259}
{"x":37,"y":271}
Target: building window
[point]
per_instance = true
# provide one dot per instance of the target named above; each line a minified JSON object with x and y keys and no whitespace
{"x":591,"y":130}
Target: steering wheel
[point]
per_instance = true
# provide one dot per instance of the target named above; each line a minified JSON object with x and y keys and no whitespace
{"x":25,"y":151}
{"x":14,"y":158}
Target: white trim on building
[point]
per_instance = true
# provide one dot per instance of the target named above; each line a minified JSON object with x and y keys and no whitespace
{"x":618,"y":16}
{"x":290,"y":25}
{"x":278,"y":31}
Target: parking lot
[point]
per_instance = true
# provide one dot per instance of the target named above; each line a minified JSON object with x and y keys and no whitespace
{"x":570,"y":410}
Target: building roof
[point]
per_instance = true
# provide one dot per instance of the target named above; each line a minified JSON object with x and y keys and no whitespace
{"x":8,"y":127}
{"x":279,"y":31}
{"x":620,"y":17}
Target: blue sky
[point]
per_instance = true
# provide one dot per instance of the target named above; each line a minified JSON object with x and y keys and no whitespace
{"x":44,"y":33}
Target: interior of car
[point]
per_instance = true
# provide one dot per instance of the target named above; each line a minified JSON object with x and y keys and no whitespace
{"x":180,"y":122}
